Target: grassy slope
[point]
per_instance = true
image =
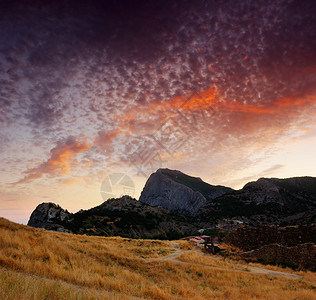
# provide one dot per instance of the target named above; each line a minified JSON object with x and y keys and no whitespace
{"x":38,"y":264}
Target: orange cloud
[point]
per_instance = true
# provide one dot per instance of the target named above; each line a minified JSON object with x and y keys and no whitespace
{"x":161,"y":110}
{"x":60,"y":160}
{"x":262,"y":122}
{"x":210,"y":97}
{"x":290,"y":101}
{"x":246,"y":108}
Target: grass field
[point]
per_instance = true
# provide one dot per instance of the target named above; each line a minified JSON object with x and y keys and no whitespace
{"x":39,"y":264}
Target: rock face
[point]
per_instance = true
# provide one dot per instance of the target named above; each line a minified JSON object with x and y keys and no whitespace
{"x":48,"y":216}
{"x":179,"y":192}
{"x":264,"y":191}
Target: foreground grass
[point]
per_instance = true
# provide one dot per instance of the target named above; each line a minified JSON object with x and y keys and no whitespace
{"x":15,"y":285}
{"x":38,"y":264}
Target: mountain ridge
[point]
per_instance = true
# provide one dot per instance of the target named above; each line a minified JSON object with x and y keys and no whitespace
{"x":172,"y":205}
{"x":287,"y":200}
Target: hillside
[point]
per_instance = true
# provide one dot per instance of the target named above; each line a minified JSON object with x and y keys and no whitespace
{"x":40,"y":264}
{"x":124,"y":216}
{"x":287,"y":201}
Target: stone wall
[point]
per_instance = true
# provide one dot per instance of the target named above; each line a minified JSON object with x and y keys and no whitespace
{"x":292,"y":246}
{"x":247,"y":239}
{"x":301,"y":256}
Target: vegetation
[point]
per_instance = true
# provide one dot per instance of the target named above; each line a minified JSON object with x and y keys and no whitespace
{"x":40,"y":264}
{"x":135,"y":219}
{"x":291,"y":202}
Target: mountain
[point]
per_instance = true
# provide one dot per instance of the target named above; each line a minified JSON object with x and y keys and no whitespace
{"x":173,"y":204}
{"x":267,"y":201}
{"x":179,"y":192}
{"x":124,"y":216}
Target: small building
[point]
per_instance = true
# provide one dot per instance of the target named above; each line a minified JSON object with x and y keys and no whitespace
{"x":200,"y":239}
{"x":197,"y":240}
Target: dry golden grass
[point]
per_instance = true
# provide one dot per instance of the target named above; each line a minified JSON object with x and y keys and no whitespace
{"x":15,"y":285}
{"x":200,"y":258}
{"x":38,"y":264}
{"x":186,"y":245}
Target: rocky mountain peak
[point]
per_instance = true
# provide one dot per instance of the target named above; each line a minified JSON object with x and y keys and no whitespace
{"x":179,"y":192}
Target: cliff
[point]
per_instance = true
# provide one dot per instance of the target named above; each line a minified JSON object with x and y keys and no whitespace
{"x":179,"y":192}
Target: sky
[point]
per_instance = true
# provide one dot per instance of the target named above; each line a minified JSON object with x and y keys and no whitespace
{"x":97,"y":95}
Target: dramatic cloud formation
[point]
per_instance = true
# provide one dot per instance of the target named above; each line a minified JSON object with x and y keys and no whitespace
{"x":217,"y":89}
{"x":60,"y":160}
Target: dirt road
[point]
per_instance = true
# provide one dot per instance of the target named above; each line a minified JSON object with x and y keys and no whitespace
{"x":249,"y":269}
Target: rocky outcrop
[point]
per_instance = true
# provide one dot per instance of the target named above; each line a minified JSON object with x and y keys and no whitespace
{"x":49,"y":216}
{"x":179,"y":192}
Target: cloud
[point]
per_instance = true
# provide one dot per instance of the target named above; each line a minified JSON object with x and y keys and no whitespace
{"x":128,"y":57}
{"x":272,"y":169}
{"x":105,"y":138}
{"x":118,"y":71}
{"x":71,"y":181}
{"x":202,"y":125}
{"x":59,"y":162}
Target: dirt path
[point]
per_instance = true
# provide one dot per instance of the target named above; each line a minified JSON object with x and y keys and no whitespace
{"x":249,"y":269}
{"x":257,"y":270}
{"x":171,"y":257}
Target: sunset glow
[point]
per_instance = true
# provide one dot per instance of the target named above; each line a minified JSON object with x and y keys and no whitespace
{"x":225,"y":91}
